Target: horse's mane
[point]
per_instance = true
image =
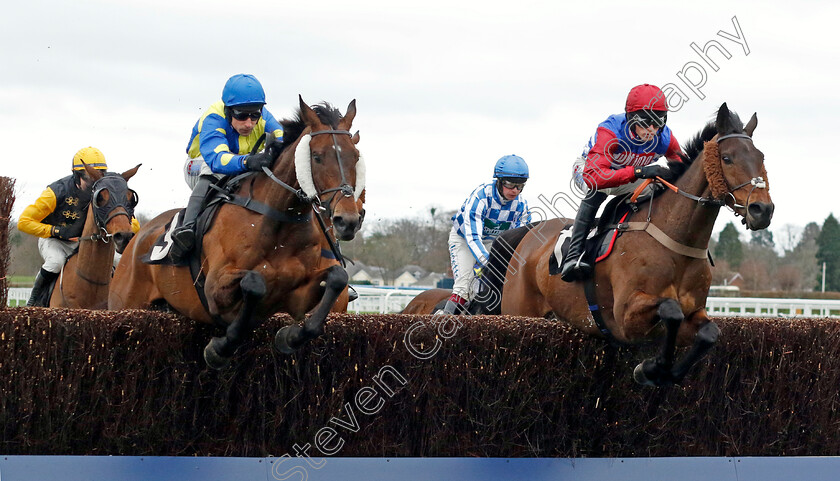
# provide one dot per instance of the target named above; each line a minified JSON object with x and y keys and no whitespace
{"x":293,"y":127}
{"x":694,"y":146}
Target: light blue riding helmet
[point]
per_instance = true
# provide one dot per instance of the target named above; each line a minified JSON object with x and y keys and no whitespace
{"x":511,"y":166}
{"x":243,"y":89}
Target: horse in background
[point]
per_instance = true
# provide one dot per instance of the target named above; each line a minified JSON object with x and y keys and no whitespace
{"x":259,"y":263}
{"x":645,"y":289}
{"x":86,"y":276}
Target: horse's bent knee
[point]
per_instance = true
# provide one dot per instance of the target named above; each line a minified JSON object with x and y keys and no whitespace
{"x":670,"y":310}
{"x":253,"y":284}
{"x":708,"y":334}
{"x":337,"y":279}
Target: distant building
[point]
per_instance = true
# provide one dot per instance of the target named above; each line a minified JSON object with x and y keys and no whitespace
{"x":361,"y":273}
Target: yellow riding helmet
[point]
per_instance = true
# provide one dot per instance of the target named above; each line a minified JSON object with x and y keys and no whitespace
{"x":92,"y":157}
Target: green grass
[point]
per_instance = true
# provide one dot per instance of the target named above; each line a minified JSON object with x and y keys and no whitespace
{"x":21,"y":281}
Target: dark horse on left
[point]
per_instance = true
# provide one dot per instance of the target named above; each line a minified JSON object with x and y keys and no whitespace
{"x":86,"y":276}
{"x":258,"y":264}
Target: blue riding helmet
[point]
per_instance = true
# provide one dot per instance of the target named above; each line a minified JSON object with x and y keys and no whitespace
{"x":242,"y":89}
{"x":512,"y":166}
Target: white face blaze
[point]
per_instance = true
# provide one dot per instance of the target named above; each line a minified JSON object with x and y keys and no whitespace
{"x":303,"y":169}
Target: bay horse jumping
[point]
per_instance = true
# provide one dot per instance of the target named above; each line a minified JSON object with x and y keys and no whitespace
{"x":86,"y":276}
{"x":644,"y":288}
{"x":257,"y":264}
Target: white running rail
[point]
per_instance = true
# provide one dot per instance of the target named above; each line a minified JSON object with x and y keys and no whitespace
{"x":385,"y":300}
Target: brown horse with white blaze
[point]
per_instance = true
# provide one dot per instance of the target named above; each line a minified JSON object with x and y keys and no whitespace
{"x":257,"y":264}
{"x":645,"y":289}
{"x":86,"y":277}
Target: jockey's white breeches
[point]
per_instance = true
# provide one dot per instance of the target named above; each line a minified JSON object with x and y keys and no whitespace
{"x":462,"y":264}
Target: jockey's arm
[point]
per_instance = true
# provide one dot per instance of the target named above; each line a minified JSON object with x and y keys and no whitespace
{"x":30,"y":221}
{"x":272,"y":126}
{"x":214,"y":147}
{"x":674,"y":149}
{"x":598,"y":173}
{"x":473,"y":227}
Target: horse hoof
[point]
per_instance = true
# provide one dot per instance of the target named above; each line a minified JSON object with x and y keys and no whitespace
{"x":640,"y":377}
{"x":213,"y":359}
{"x":283,"y":340}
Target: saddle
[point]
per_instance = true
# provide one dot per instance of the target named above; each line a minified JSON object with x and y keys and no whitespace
{"x":602,"y":237}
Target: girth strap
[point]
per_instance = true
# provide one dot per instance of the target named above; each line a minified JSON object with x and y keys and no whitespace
{"x":663,"y":239}
{"x":592,"y":301}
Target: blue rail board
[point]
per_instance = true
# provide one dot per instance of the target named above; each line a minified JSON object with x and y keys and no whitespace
{"x":135,"y":468}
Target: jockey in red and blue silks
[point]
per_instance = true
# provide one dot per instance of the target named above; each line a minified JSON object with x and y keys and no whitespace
{"x":622,"y":153}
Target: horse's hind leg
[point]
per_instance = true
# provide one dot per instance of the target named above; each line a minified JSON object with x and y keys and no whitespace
{"x":657,"y":371}
{"x":218,"y":351}
{"x":705,"y":338}
{"x":290,"y":338}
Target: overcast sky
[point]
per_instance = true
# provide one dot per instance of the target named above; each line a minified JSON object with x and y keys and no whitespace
{"x":443,"y":88}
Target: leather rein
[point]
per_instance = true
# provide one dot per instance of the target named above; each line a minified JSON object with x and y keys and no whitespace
{"x":664,"y":239}
{"x":315,"y":201}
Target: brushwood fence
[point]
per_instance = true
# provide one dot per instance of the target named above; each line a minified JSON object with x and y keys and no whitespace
{"x":134,"y":383}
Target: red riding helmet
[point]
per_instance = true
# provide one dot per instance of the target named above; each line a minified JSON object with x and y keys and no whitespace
{"x":646,"y":97}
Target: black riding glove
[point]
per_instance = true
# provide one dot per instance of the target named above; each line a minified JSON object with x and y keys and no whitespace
{"x":62,"y":232}
{"x":653,"y":170}
{"x":256,"y":162}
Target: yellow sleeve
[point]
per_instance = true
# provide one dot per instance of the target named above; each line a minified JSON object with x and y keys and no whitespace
{"x":135,"y":225}
{"x":30,"y":220}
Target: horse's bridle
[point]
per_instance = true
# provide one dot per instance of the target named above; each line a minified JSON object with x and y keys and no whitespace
{"x":114,"y":184}
{"x":756,"y":182}
{"x":315,"y":201}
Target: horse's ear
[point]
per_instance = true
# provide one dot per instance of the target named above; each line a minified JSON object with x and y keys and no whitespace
{"x":347,"y":120}
{"x":94,"y":174}
{"x":750,"y":127}
{"x":723,"y":124}
{"x":130,"y":173}
{"x":309,"y":117}
{"x":355,"y":138}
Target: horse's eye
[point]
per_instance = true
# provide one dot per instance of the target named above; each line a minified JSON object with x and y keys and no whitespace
{"x":726,"y":159}
{"x":317,"y":158}
{"x":101,"y":198}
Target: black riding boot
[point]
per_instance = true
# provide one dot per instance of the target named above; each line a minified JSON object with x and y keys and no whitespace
{"x":40,"y":296}
{"x":183,"y":238}
{"x":576,"y":268}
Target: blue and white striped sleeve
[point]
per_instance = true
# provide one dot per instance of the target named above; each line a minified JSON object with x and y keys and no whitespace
{"x":474,"y":213}
{"x":525,"y":214}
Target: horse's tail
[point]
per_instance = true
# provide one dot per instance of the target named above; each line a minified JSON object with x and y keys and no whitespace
{"x":501,"y":252}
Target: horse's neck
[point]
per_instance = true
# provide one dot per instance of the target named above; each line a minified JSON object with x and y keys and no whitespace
{"x":280,"y":198}
{"x":95,"y":257}
{"x":683,"y":219}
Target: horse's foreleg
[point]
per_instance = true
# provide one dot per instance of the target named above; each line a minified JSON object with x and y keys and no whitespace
{"x":290,"y":338}
{"x":705,"y":338}
{"x":219,"y":350}
{"x":657,"y":371}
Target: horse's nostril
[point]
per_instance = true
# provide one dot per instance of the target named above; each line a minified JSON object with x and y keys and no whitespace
{"x":759,"y":210}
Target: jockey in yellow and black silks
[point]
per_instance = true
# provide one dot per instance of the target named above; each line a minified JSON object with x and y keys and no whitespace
{"x":220,"y":145}
{"x":58,"y":216}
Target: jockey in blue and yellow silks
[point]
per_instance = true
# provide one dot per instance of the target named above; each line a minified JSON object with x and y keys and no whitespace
{"x":220,"y":145}
{"x":57,"y":218}
{"x":491,"y":209}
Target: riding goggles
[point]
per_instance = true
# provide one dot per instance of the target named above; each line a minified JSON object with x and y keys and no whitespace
{"x":648,"y":118}
{"x":513,"y":185}
{"x":240,"y":115}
